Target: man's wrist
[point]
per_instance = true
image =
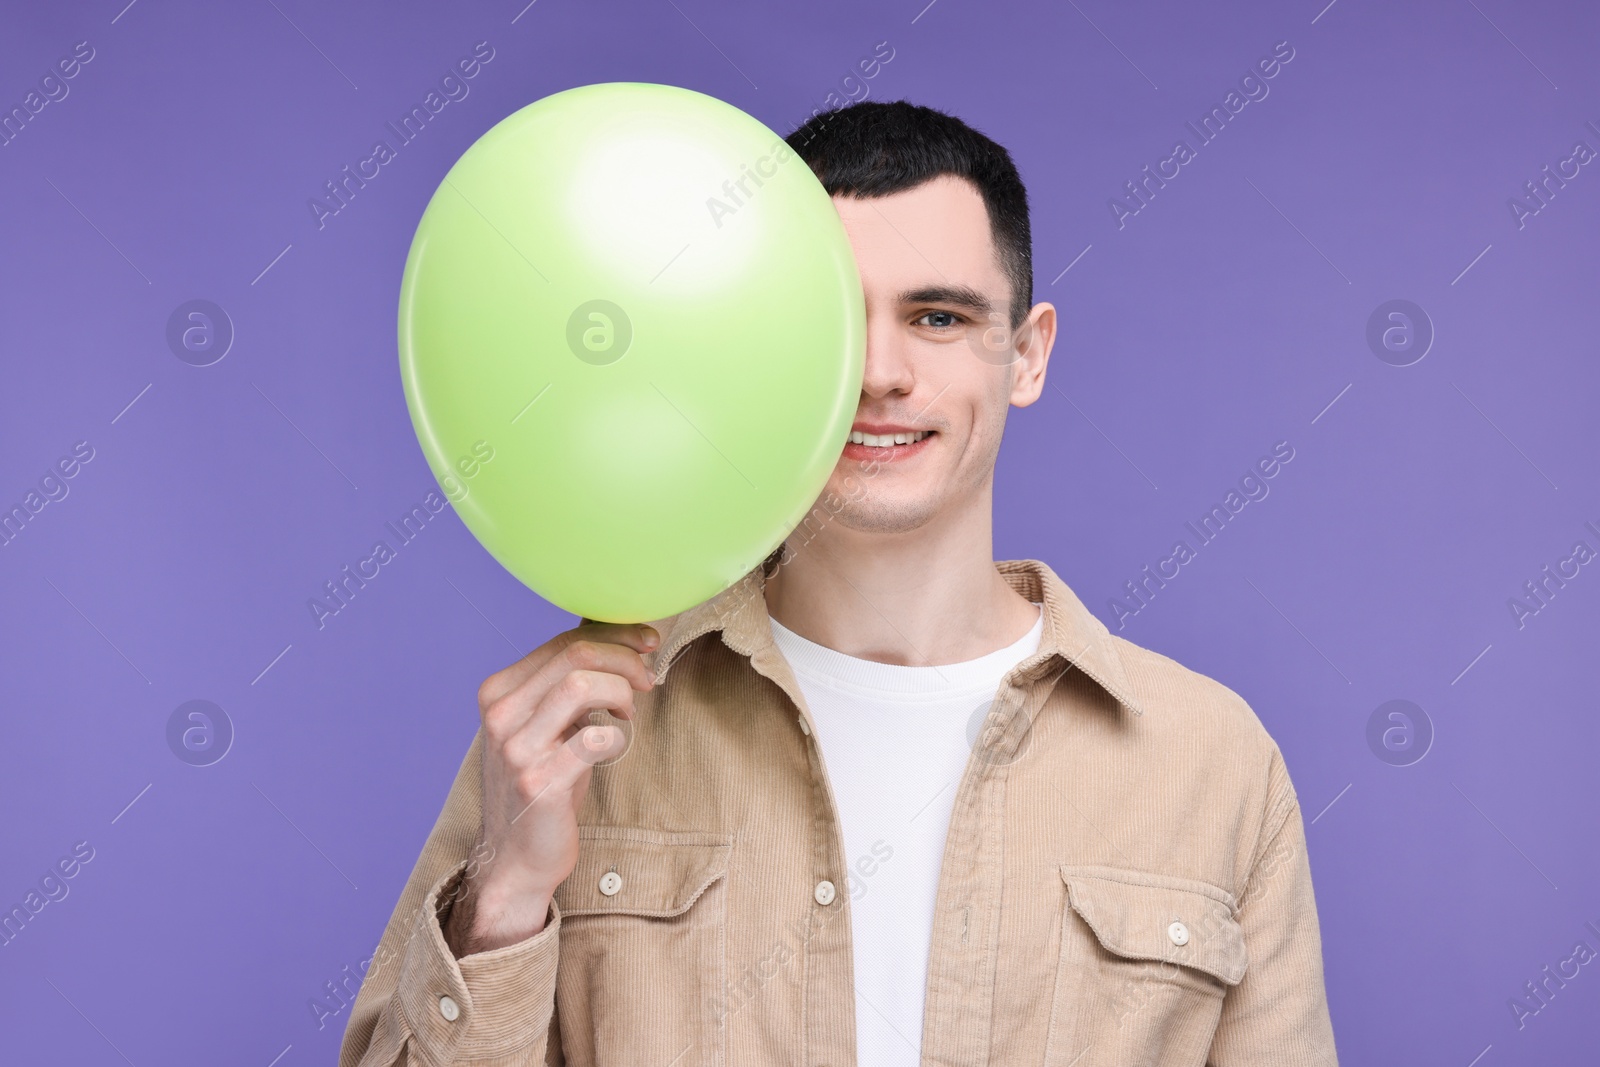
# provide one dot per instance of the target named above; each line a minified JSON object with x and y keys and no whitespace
{"x":485,"y":917}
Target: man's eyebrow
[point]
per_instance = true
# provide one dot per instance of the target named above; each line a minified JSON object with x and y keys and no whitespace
{"x":963,"y":296}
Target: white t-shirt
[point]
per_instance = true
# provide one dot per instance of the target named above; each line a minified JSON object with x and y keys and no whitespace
{"x":895,"y":741}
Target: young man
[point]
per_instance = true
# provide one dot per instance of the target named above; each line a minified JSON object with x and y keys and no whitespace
{"x":886,"y":801}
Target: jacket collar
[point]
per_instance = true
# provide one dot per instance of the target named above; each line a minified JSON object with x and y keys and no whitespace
{"x":1072,"y":636}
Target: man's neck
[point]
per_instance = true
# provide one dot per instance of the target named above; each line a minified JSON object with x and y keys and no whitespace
{"x":922,"y":598}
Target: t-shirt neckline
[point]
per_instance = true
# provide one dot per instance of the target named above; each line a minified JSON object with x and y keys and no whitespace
{"x":828,"y":666}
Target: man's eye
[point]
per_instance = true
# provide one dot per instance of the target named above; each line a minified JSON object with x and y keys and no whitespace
{"x":945,"y":319}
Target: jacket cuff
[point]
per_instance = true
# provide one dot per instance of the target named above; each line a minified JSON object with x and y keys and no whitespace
{"x":501,"y":1000}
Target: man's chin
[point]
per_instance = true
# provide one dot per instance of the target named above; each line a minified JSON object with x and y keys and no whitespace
{"x":886,"y":515}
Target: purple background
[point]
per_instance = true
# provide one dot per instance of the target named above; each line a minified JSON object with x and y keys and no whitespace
{"x":1226,"y":316}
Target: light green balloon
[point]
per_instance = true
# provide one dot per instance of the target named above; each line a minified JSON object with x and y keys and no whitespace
{"x":643,"y":307}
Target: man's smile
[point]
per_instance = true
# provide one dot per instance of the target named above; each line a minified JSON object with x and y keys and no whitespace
{"x":884,"y":442}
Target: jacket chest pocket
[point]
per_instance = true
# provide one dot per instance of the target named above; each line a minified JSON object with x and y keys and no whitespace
{"x":1146,"y":960}
{"x":641,"y":953}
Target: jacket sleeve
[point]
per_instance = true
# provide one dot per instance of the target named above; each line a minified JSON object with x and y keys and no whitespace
{"x":1277,"y":1016}
{"x":418,"y":1004}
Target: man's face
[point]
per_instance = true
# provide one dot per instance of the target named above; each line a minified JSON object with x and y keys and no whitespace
{"x":942,"y":365}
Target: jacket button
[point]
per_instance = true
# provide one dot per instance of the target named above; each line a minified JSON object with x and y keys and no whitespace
{"x":824,"y":892}
{"x":610,"y":882}
{"x":449,"y":1008}
{"x":1179,"y":934}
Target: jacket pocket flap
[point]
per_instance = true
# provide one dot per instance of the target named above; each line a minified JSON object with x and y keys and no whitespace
{"x":623,"y":870}
{"x":1145,"y":916}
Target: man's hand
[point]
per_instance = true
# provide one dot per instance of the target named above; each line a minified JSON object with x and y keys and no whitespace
{"x":538,"y":756}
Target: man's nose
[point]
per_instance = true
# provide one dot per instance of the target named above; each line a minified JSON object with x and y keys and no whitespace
{"x":888,"y":362}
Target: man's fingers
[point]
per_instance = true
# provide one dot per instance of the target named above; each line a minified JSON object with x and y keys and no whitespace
{"x":508,"y":678}
{"x":567,"y":704}
{"x":638,"y":637}
{"x":552,"y":784}
{"x":595,"y":744}
{"x":567,"y":765}
{"x":509,"y":712}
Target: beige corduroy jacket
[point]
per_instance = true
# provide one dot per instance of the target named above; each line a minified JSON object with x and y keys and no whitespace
{"x":1125,"y":881}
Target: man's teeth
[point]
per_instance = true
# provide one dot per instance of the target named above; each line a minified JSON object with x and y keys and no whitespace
{"x":884,"y":440}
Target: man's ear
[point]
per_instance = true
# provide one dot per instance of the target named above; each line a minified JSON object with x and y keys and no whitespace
{"x":1032,"y":342}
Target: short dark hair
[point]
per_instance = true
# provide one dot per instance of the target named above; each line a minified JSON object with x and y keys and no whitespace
{"x":872,"y":149}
